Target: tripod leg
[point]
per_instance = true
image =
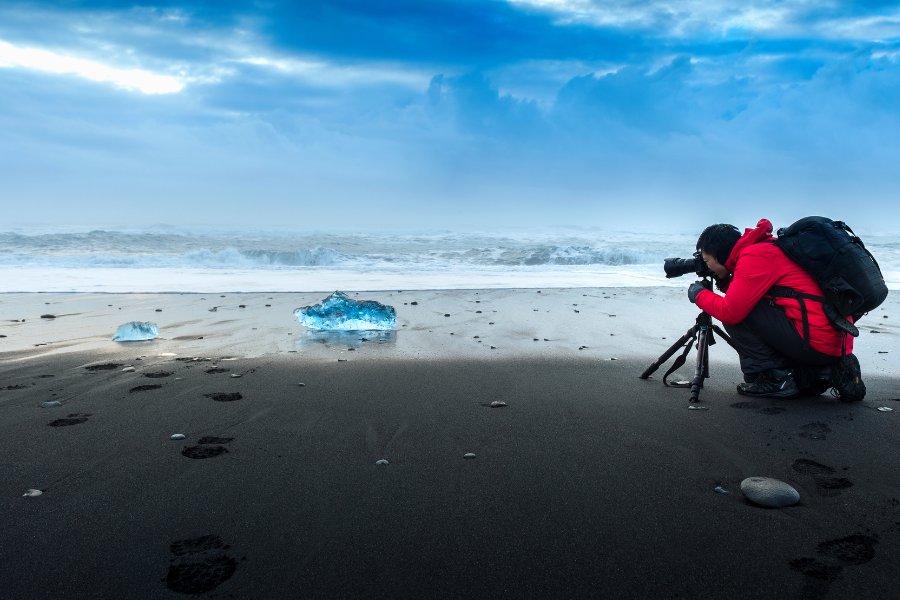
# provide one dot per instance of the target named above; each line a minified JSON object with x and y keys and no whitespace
{"x":702,"y":357}
{"x":723,"y":335}
{"x":668,"y":353}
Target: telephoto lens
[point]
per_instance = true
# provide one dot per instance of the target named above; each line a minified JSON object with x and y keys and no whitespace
{"x":676,"y":267}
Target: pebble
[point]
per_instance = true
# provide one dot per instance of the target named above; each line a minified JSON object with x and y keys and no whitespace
{"x":235,"y":374}
{"x":446,"y":315}
{"x":48,"y":316}
{"x":769,"y":492}
{"x":613,"y":358}
{"x":51,"y":404}
{"x":301,"y":384}
{"x":497,"y":403}
{"x":178,"y":378}
{"x":168,"y":354}
{"x":128,"y":370}
{"x":342,"y":360}
{"x":413,"y":303}
{"x":382,"y":462}
{"x":32,"y":493}
{"x":469,"y":454}
{"x":158,"y":310}
{"x":885,"y":408}
{"x":177,"y":436}
{"x":720,"y":490}
{"x":693,"y":407}
{"x":493,"y":347}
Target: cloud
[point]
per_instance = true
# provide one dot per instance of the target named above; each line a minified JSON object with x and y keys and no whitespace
{"x":132,"y":79}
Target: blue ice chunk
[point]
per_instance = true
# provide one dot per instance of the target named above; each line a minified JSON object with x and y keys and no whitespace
{"x":339,"y":312}
{"x":135,"y":331}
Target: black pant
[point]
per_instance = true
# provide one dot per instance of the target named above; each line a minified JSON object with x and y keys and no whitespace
{"x":767,"y":339}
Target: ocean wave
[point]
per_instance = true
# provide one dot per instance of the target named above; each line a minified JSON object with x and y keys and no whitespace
{"x":329,"y":257}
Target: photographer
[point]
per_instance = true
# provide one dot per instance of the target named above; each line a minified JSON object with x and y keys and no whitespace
{"x":767,"y":331}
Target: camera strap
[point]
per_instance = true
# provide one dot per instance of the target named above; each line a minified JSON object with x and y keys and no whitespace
{"x":780,"y":291}
{"x":678,"y":362}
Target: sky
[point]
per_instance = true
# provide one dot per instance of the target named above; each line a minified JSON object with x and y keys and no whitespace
{"x":335,"y":114}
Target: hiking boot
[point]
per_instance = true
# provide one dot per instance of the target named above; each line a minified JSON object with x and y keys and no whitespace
{"x":774,"y":383}
{"x":815,"y":381}
{"x":847,"y":379}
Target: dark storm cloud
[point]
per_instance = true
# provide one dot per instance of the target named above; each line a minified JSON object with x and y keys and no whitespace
{"x":522,"y":109}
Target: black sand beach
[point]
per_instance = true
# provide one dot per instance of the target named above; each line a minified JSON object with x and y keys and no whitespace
{"x":590,"y":483}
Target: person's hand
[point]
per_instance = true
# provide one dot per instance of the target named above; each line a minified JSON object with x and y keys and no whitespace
{"x":694,"y":290}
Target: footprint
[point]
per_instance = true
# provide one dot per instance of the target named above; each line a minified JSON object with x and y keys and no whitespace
{"x":144,"y":388}
{"x":834,"y":555}
{"x":157,"y":374}
{"x":216,"y":370}
{"x":199,"y":452}
{"x":223,"y":397}
{"x":851,"y":550}
{"x":207,"y":450}
{"x":745,"y":405}
{"x":73,"y":419}
{"x":202,"y":565}
{"x":815,"y":430}
{"x":825,"y":485}
{"x":771,"y":410}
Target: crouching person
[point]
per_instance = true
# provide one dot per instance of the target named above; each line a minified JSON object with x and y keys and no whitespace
{"x":781,"y":355}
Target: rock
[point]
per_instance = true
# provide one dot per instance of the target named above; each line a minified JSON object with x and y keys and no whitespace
{"x":51,"y":404}
{"x":413,"y":303}
{"x":48,"y":316}
{"x":613,"y":358}
{"x":242,"y":306}
{"x":885,"y":408}
{"x":342,"y":360}
{"x":177,"y":436}
{"x":469,"y":454}
{"x":158,"y":310}
{"x":477,"y":312}
{"x":493,"y":347}
{"x":498,"y":404}
{"x":769,"y":492}
{"x":128,"y":370}
{"x":382,"y":462}
{"x":721,"y":490}
{"x":301,"y":384}
{"x":32,"y":493}
{"x":446,"y":315}
{"x":235,"y":374}
{"x":695,"y":407}
{"x":214,"y":309}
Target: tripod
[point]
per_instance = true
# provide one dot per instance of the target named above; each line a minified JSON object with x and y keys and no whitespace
{"x":702,"y":331}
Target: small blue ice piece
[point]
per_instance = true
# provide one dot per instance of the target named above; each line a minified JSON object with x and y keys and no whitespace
{"x":136,"y":331}
{"x":339,"y":312}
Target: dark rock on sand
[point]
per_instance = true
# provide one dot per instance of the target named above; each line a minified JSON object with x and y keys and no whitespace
{"x":215,"y":370}
{"x":103,"y":367}
{"x":224,"y":397}
{"x":157,"y":374}
{"x":48,"y":316}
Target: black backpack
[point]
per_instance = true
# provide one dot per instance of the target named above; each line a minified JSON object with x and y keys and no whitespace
{"x":848,"y":274}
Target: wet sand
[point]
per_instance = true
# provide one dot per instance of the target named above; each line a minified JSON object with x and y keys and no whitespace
{"x":589,"y":483}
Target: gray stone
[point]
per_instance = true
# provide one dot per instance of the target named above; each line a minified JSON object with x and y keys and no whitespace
{"x":497,"y":403}
{"x":382,"y":462}
{"x":32,"y":493}
{"x":468,"y":455}
{"x":769,"y":492}
{"x":128,"y":369}
{"x":51,"y":404}
{"x":177,"y":436}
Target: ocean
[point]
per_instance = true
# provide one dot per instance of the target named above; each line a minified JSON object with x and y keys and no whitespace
{"x":185,"y":260}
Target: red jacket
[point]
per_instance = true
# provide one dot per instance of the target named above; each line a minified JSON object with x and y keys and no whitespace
{"x":757,"y":266}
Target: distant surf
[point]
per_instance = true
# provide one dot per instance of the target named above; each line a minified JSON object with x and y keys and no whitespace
{"x":206,"y":259}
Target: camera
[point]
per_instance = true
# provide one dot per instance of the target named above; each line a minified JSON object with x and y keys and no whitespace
{"x":676,"y":267}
